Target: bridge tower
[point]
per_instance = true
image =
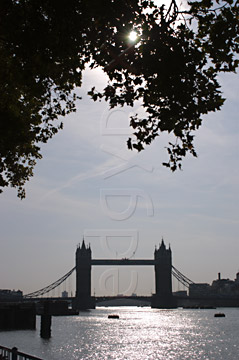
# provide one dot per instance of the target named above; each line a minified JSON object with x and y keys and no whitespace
{"x":163,"y":297}
{"x":83,"y":299}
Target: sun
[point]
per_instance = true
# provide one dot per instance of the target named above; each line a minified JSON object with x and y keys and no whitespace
{"x":133,"y":35}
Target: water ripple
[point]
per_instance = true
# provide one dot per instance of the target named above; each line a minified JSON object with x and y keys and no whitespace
{"x":139,"y":334}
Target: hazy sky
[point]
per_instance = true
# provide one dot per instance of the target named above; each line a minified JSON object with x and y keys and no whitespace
{"x":89,"y":183}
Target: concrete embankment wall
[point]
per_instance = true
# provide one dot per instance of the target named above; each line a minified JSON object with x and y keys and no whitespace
{"x":200,"y":302}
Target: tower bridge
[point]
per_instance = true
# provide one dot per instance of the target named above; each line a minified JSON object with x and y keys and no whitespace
{"x":162,"y":262}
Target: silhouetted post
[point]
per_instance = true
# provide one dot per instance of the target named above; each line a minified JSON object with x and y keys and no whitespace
{"x":14,"y":353}
{"x":46,"y":322}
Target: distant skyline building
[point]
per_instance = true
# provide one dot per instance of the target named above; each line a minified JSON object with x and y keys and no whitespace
{"x":219,"y":288}
{"x":64,"y":294}
{"x":10,"y":295}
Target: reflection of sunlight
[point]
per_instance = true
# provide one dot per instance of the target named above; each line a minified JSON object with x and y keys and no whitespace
{"x":160,"y":328}
{"x":143,"y":333}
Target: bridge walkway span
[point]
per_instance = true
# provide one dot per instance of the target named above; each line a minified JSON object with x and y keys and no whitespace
{"x":125,"y":262}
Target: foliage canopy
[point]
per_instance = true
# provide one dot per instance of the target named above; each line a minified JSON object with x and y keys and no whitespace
{"x":172,"y":69}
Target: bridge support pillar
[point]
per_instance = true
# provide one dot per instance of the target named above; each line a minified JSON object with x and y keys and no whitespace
{"x":83,"y":303}
{"x":83,"y":299}
{"x":45,"y":331}
{"x":163,"y":298}
{"x":160,"y":302}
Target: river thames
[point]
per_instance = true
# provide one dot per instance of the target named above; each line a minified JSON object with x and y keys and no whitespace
{"x":140,"y":333}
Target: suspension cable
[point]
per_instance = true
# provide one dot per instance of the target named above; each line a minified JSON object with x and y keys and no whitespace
{"x":176,"y":273}
{"x":49,"y":287}
{"x":181,"y":278}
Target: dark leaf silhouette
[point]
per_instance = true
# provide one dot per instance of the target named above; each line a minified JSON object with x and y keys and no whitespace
{"x":172,"y":69}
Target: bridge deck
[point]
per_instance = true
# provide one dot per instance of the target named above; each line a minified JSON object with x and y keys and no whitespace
{"x":122,"y":262}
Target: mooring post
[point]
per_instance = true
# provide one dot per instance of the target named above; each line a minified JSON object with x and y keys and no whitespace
{"x":14,"y":353}
{"x":46,"y":321}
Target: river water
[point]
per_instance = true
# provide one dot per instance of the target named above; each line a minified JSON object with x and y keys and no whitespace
{"x":140,"y":333}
